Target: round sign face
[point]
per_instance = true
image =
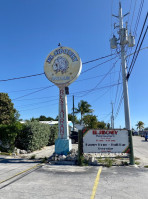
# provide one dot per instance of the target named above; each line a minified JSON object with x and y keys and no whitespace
{"x":62,"y":66}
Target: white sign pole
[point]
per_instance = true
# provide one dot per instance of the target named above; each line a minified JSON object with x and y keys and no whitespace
{"x":62,"y":67}
{"x":63,"y":115}
{"x":63,"y":143}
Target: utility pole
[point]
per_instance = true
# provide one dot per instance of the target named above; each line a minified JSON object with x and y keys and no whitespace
{"x":124,"y":70}
{"x":112,"y":117}
{"x":124,"y":39}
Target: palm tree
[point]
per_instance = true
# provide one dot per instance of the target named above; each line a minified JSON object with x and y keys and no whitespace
{"x":83,"y":107}
{"x":140,"y":125}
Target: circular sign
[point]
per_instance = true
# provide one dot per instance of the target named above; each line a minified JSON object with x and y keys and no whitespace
{"x":62,"y":66}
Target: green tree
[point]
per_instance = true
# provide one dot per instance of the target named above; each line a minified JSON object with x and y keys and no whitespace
{"x":83,"y":107}
{"x":57,"y":118}
{"x":90,"y":121}
{"x":101,"y":125}
{"x":42,"y":118}
{"x":8,"y":113}
{"x":108,"y":125}
{"x":70,"y":118}
{"x":140,"y":125}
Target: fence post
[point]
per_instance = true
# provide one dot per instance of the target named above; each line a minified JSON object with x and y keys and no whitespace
{"x":131,"y":155}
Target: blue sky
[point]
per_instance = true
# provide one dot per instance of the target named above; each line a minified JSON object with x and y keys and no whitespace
{"x":31,"y":29}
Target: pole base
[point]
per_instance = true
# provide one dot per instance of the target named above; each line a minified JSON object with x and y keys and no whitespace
{"x":62,"y":146}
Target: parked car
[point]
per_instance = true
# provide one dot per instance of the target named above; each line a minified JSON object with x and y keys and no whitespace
{"x":144,"y":133}
{"x":134,"y":133}
{"x":146,"y":136}
{"x":74,"y":136}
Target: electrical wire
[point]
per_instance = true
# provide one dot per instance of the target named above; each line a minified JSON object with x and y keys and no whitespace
{"x":92,"y":90}
{"x":119,"y":106}
{"x":53,"y":85}
{"x":138,"y":18}
{"x":37,"y":108}
{"x":133,"y":14}
{"x":36,"y":103}
{"x":97,"y":59}
{"x":102,"y":79}
{"x":119,"y":79}
{"x":32,"y":93}
{"x":16,"y":78}
{"x":135,"y":56}
{"x":34,"y":75}
{"x":98,"y":65}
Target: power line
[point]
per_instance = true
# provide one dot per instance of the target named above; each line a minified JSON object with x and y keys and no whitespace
{"x":37,"y":103}
{"x":32,"y":92}
{"x":97,"y":59}
{"x":133,"y":14}
{"x":119,"y":106}
{"x":37,"y":108}
{"x":15,"y":91}
{"x":98,"y":65}
{"x":92,"y":90}
{"x":135,"y":55}
{"x":103,"y":78}
{"x":138,"y":17}
{"x":117,"y":87}
{"x":16,"y":78}
{"x":34,"y":75}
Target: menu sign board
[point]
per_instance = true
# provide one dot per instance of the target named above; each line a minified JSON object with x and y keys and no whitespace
{"x":106,"y":141}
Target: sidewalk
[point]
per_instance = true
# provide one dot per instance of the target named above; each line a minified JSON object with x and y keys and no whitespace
{"x":45,"y":152}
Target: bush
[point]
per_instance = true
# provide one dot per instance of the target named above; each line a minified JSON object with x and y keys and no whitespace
{"x":35,"y":135}
{"x":8,"y":134}
{"x":53,"y":134}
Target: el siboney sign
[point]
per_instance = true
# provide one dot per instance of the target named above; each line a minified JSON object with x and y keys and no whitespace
{"x":106,"y":141}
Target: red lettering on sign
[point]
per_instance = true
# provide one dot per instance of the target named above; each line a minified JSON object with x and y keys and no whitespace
{"x":62,"y":113}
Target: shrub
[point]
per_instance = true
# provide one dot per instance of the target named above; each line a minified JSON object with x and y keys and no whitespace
{"x":8,"y":134}
{"x":53,"y":134}
{"x":36,"y":135}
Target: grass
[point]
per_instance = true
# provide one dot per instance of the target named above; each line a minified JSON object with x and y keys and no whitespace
{"x":32,"y":157}
{"x":137,"y":158}
{"x":146,"y":166}
{"x":82,"y":161}
{"x":44,"y":160}
{"x":4,"y":153}
{"x":108,"y":162}
{"x":137,"y":163}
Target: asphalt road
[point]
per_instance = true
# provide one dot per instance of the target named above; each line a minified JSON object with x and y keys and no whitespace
{"x":141,"y":150}
{"x":73,"y":182}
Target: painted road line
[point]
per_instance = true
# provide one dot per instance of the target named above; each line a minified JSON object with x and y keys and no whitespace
{"x":96,"y":183}
{"x":21,"y":173}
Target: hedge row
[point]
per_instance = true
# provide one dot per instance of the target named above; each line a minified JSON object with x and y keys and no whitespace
{"x":30,"y":136}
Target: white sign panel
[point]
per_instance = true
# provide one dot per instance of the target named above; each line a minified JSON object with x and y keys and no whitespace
{"x":105,"y":141}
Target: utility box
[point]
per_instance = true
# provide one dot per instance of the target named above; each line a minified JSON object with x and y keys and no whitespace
{"x":124,"y":36}
{"x":131,"y":41}
{"x":113,"y":42}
